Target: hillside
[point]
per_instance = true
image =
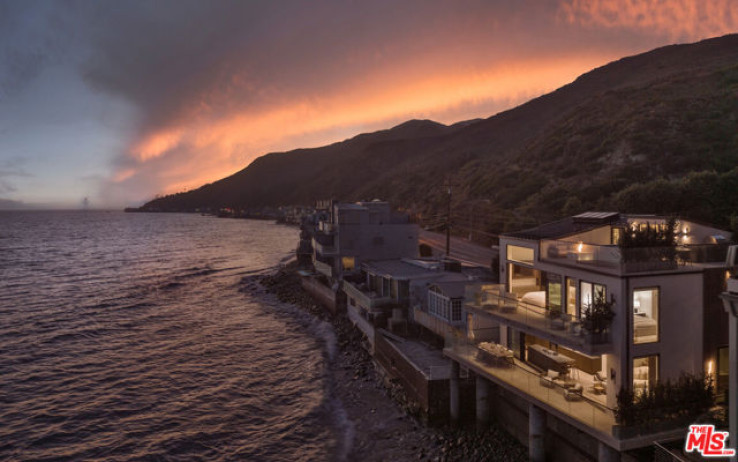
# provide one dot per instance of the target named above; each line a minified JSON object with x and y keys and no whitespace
{"x":628,"y":134}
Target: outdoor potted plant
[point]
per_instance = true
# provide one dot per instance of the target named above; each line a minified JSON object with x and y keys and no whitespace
{"x":597,"y":317}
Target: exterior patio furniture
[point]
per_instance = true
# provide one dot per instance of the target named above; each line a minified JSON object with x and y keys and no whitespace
{"x":574,"y":393}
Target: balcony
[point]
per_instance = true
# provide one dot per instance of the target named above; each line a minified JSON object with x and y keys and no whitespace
{"x":435,"y":324}
{"x":324,"y":239}
{"x":585,"y":409}
{"x":325,"y":250}
{"x":617,"y":260}
{"x":504,"y":307}
{"x":367,"y":299}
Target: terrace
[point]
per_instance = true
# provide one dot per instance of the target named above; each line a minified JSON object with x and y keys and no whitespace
{"x":562,"y":329}
{"x":585,"y":407}
{"x":617,"y":260}
{"x":325,"y":250}
{"x":364,"y":297}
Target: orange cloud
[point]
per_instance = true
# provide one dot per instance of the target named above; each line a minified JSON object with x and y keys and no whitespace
{"x":157,"y":144}
{"x":210,"y":149}
{"x":678,"y":19}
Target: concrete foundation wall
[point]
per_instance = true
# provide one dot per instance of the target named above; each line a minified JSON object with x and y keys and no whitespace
{"x":562,"y":441}
{"x":322,"y":294}
{"x":432,"y":396}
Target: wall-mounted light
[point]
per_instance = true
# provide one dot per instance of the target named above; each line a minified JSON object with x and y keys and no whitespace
{"x":580,"y":247}
{"x":709,"y":368}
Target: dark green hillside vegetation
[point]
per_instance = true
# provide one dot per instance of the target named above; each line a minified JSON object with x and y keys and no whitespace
{"x":652,"y":133}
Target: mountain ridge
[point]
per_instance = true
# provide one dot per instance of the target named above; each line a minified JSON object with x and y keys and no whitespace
{"x":661,"y":114}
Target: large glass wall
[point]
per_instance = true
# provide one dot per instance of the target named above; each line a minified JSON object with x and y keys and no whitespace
{"x":523,"y":280}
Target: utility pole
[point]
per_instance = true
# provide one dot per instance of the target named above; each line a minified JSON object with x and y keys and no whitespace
{"x":448,"y":224}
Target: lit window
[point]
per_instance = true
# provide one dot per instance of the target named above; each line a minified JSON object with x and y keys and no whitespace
{"x":591,"y":292}
{"x":348,"y":263}
{"x":520,"y":254}
{"x":645,"y":315}
{"x":645,"y":373}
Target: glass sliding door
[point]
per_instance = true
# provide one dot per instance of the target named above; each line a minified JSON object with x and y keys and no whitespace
{"x":571,"y":297}
{"x":553,"y":292}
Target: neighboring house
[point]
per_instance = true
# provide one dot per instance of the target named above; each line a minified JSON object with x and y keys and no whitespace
{"x":430,"y":293}
{"x":349,"y":234}
{"x":385,"y":285}
{"x":730,"y":302}
{"x":667,"y":318}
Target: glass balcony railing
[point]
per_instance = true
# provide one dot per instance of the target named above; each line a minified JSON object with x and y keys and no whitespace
{"x":570,"y":397}
{"x":559,"y":328}
{"x":631,"y":259}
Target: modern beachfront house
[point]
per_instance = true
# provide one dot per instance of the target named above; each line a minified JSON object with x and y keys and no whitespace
{"x":590,"y":305}
{"x":351,"y":233}
{"x":730,"y":302}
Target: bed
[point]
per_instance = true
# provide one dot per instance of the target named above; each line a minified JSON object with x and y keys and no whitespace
{"x":644,"y":326}
{"x":534,"y":301}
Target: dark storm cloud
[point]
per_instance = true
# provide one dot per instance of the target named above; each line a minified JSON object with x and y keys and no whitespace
{"x":209,"y":85}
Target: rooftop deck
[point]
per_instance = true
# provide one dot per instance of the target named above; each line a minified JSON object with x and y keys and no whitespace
{"x":616,"y":260}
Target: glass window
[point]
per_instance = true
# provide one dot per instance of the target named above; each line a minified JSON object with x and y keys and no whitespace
{"x":456,"y":310}
{"x":571,"y":297}
{"x":645,"y":315}
{"x":348,"y":263}
{"x":590,"y":292}
{"x":522,"y":280}
{"x":616,"y":233}
{"x":553,"y":291}
{"x":645,"y":373}
{"x":520,"y":254}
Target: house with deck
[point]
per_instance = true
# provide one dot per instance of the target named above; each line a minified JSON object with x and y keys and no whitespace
{"x":588,"y":306}
{"x":348,"y":234}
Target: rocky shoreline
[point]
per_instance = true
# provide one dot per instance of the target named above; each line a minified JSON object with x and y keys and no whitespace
{"x":385,"y":426}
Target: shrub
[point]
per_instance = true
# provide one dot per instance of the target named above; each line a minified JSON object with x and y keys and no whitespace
{"x":687,"y":397}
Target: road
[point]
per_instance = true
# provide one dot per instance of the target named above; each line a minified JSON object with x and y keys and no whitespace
{"x":461,"y":249}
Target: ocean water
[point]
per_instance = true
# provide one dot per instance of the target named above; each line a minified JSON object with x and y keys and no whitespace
{"x":131,"y":337}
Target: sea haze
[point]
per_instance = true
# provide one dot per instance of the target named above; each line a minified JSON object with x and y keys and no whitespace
{"x":126,"y":337}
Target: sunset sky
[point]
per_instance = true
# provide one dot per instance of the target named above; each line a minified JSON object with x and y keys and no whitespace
{"x":119,"y":101}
